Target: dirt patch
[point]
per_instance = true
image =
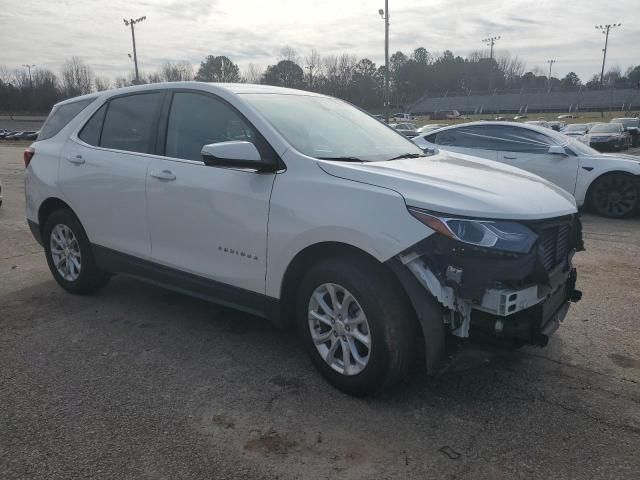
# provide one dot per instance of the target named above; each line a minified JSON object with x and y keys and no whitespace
{"x":270,"y":442}
{"x":624,"y":361}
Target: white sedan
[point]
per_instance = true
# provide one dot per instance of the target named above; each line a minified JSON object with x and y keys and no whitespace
{"x":609,"y":184}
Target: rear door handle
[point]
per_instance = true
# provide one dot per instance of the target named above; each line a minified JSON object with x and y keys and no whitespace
{"x":76,"y":159}
{"x":510,"y":158}
{"x":166,"y":175}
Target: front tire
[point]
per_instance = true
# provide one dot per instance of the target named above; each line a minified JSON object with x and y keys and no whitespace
{"x":356,"y":324}
{"x":69,"y":254}
{"x":615,"y":195}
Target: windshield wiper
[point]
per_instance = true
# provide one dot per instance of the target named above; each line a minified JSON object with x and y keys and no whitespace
{"x":343,"y":159}
{"x":409,"y":155}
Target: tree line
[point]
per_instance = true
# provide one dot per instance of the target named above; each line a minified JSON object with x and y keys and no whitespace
{"x":358,"y":80}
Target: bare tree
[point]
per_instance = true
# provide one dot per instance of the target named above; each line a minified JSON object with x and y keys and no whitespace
{"x":176,"y":72}
{"x":313,"y":63}
{"x":511,"y":66}
{"x":253,"y":74}
{"x":77,"y":77}
{"x":289,"y":53}
{"x":101,"y":84}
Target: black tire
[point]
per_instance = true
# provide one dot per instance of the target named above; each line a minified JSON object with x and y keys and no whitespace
{"x":615,"y":195}
{"x":90,"y":278}
{"x":392,"y":324}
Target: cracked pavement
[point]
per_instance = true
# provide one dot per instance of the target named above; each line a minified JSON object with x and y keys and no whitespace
{"x":139,"y":382}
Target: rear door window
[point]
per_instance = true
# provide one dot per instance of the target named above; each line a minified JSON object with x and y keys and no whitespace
{"x":91,"y":131}
{"x":523,"y":140}
{"x":130,"y":122}
{"x":466,"y":137}
{"x":60,"y":116}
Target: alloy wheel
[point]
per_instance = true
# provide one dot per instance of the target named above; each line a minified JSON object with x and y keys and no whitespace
{"x":65,"y":252}
{"x":339,"y":329}
{"x":615,"y":196}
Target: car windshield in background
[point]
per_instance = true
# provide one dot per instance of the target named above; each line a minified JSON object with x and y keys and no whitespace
{"x":571,"y":142}
{"x":606,"y":128}
{"x":324,"y":127}
{"x":627,"y":122}
{"x":576,"y":127}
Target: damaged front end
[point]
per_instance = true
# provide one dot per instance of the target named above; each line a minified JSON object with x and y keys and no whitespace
{"x":505,"y":283}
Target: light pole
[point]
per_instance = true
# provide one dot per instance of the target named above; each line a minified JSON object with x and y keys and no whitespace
{"x":491,"y":41}
{"x":131,"y":22}
{"x":550,"y":62}
{"x":384,"y":13}
{"x":605,"y":31}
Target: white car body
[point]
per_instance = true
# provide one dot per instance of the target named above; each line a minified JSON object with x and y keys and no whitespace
{"x":575,"y":172}
{"x":241,"y":233}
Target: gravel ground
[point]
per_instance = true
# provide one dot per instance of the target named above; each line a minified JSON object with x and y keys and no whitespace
{"x":138,"y":382}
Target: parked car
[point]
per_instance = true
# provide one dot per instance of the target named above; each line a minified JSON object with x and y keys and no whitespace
{"x":402,"y":117}
{"x":430,"y":127}
{"x":446,"y":115}
{"x":26,"y":135}
{"x":539,"y":123}
{"x":632,"y":126}
{"x":0,"y":192}
{"x":610,"y":184}
{"x":565,"y":116}
{"x":608,"y":137}
{"x":557,"y":126}
{"x":575,"y":129}
{"x":379,"y":118}
{"x":5,"y":133}
{"x":368,"y":243}
{"x":407,"y":129}
{"x":520,"y":117}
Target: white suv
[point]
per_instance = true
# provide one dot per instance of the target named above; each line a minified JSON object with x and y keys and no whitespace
{"x":305,"y":210}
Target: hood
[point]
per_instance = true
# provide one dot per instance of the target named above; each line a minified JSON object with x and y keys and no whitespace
{"x":458,"y":184}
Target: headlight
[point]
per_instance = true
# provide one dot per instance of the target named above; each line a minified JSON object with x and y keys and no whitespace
{"x":497,"y":234}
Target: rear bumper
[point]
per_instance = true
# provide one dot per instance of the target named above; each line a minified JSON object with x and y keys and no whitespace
{"x":35,"y":231}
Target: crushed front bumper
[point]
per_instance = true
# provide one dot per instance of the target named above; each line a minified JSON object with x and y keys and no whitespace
{"x":488,"y":296}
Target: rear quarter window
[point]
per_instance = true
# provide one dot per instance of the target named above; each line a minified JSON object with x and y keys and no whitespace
{"x":60,"y":116}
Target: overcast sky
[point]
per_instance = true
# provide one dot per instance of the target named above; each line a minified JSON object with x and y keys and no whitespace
{"x":46,"y":32}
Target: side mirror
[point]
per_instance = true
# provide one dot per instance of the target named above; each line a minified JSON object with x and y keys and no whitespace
{"x":235,"y":154}
{"x":557,"y":150}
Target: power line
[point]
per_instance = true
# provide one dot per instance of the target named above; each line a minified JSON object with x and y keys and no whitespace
{"x":131,"y":22}
{"x":605,"y":31}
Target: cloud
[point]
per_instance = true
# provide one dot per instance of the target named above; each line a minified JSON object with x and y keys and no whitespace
{"x":253,"y":31}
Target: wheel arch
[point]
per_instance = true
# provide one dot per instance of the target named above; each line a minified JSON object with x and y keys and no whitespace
{"x":311,"y":255}
{"x":49,"y":206}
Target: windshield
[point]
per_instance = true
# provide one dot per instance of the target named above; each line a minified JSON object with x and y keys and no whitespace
{"x":576,"y":127}
{"x":606,"y":128}
{"x":627,"y":122}
{"x":325,"y":127}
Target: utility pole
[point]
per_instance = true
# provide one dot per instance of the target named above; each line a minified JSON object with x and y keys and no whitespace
{"x":605,"y":31}
{"x":491,"y":41}
{"x":29,"y":67}
{"x":550,"y":62}
{"x":131,"y":22}
{"x":33,"y":92}
{"x":385,"y":16}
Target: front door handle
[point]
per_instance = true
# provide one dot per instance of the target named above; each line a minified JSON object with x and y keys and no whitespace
{"x":510,"y":158}
{"x":76,"y":159}
{"x":166,"y":175}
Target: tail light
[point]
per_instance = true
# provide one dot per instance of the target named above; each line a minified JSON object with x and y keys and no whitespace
{"x":28,"y":155}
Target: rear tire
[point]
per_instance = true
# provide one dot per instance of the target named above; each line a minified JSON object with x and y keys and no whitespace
{"x":69,"y":254}
{"x":377,"y":312}
{"x":615,"y":195}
